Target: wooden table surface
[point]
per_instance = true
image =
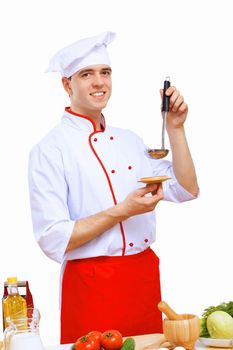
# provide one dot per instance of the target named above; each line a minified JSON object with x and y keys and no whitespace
{"x":141,"y":341}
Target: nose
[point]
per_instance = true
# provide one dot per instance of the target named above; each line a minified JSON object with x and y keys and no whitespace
{"x":97,"y":80}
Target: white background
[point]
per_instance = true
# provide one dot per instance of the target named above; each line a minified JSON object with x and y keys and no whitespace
{"x":189,"y":40}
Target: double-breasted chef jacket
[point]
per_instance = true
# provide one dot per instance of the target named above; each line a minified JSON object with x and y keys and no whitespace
{"x":77,"y":171}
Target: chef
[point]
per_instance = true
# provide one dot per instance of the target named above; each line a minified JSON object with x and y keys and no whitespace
{"x":89,"y":211}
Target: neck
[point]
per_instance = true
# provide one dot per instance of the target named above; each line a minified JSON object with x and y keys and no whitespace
{"x":94,"y":115}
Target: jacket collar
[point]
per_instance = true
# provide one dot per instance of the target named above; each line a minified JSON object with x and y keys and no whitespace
{"x":80,"y":121}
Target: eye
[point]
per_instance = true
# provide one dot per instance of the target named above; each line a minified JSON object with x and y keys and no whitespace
{"x":106,"y":72}
{"x":85,"y":75}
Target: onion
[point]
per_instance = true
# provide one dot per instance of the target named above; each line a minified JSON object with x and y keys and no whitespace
{"x":220,"y":325}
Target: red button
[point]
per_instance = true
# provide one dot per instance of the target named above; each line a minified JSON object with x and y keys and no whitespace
{"x":129,"y":167}
{"x":113,"y":171}
{"x":95,"y":139}
{"x":146,"y":240}
{"x":131,"y":244}
{"x":111,"y":137}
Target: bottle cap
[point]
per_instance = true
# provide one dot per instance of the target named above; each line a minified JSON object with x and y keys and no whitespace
{"x":12,"y":280}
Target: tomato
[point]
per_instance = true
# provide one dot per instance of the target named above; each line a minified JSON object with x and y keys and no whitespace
{"x":87,"y":343}
{"x":112,"y":340}
{"x":95,"y":335}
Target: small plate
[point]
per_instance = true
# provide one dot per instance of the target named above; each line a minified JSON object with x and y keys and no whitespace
{"x":154,"y":179}
{"x":220,"y":343}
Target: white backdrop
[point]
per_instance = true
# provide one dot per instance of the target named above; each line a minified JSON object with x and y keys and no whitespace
{"x":189,"y":40}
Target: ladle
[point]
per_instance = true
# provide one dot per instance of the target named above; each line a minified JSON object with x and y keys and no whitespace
{"x":161,"y":153}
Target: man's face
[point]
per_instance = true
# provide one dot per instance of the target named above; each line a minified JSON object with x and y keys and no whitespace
{"x":90,"y":89}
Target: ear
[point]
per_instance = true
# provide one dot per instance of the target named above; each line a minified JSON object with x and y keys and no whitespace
{"x":66,"y":85}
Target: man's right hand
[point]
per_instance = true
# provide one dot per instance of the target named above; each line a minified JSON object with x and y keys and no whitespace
{"x":142,"y":200}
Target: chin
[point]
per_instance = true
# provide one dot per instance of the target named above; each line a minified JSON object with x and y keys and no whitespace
{"x":101,"y":106}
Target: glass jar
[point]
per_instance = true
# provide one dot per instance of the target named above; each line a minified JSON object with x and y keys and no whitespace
{"x":23,"y":332}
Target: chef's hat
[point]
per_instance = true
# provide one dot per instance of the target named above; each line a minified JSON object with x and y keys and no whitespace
{"x":82,"y":53}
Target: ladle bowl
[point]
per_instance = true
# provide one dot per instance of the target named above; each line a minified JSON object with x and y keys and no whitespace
{"x":158,"y":153}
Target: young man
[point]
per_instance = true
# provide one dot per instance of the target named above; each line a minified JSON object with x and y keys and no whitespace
{"x":89,"y":211}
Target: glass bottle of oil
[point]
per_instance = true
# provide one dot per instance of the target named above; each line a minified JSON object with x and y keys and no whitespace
{"x":14,"y":306}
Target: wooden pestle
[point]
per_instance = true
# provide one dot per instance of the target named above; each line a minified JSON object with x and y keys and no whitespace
{"x":167,"y":310}
{"x":180,"y":329}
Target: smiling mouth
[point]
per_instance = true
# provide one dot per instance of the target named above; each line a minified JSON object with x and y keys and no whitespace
{"x":98,"y":93}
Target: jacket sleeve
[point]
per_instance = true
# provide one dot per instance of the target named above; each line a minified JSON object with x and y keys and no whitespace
{"x":48,"y":198}
{"x":173,"y":191}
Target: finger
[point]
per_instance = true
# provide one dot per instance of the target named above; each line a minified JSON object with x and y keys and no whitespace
{"x":159,"y":191}
{"x":173,"y":98}
{"x":177,"y":103}
{"x":152,"y":187}
{"x":147,"y":189}
{"x":151,"y":201}
{"x":170,"y":90}
{"x":183,"y":108}
{"x":158,"y":194}
{"x":159,"y":185}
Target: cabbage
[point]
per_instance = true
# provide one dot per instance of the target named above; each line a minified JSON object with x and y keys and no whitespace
{"x":220,"y":325}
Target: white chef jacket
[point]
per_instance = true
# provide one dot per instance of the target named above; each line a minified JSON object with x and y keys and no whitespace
{"x":77,"y":171}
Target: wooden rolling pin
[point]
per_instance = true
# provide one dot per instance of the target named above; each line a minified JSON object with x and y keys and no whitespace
{"x":168,"y":311}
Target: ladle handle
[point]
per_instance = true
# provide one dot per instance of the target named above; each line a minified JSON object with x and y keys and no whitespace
{"x":166,"y":99}
{"x":167,"y":310}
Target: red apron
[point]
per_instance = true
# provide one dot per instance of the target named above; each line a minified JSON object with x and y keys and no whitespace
{"x":119,"y":292}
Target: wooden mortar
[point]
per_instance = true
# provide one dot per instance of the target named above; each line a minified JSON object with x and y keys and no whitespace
{"x":180,"y":329}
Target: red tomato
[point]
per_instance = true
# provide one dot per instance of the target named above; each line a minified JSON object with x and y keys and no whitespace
{"x":112,"y":340}
{"x":87,"y":343}
{"x":95,"y":335}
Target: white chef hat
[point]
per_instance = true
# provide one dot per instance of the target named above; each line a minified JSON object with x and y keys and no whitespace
{"x":82,"y":53}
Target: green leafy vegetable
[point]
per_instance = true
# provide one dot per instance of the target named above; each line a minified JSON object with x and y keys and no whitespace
{"x":203,"y":328}
{"x":227,"y":307}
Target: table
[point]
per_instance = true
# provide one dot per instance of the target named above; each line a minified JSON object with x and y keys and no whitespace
{"x":141,"y":342}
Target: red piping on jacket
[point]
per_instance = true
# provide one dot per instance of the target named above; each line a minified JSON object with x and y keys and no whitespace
{"x":67,"y":109}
